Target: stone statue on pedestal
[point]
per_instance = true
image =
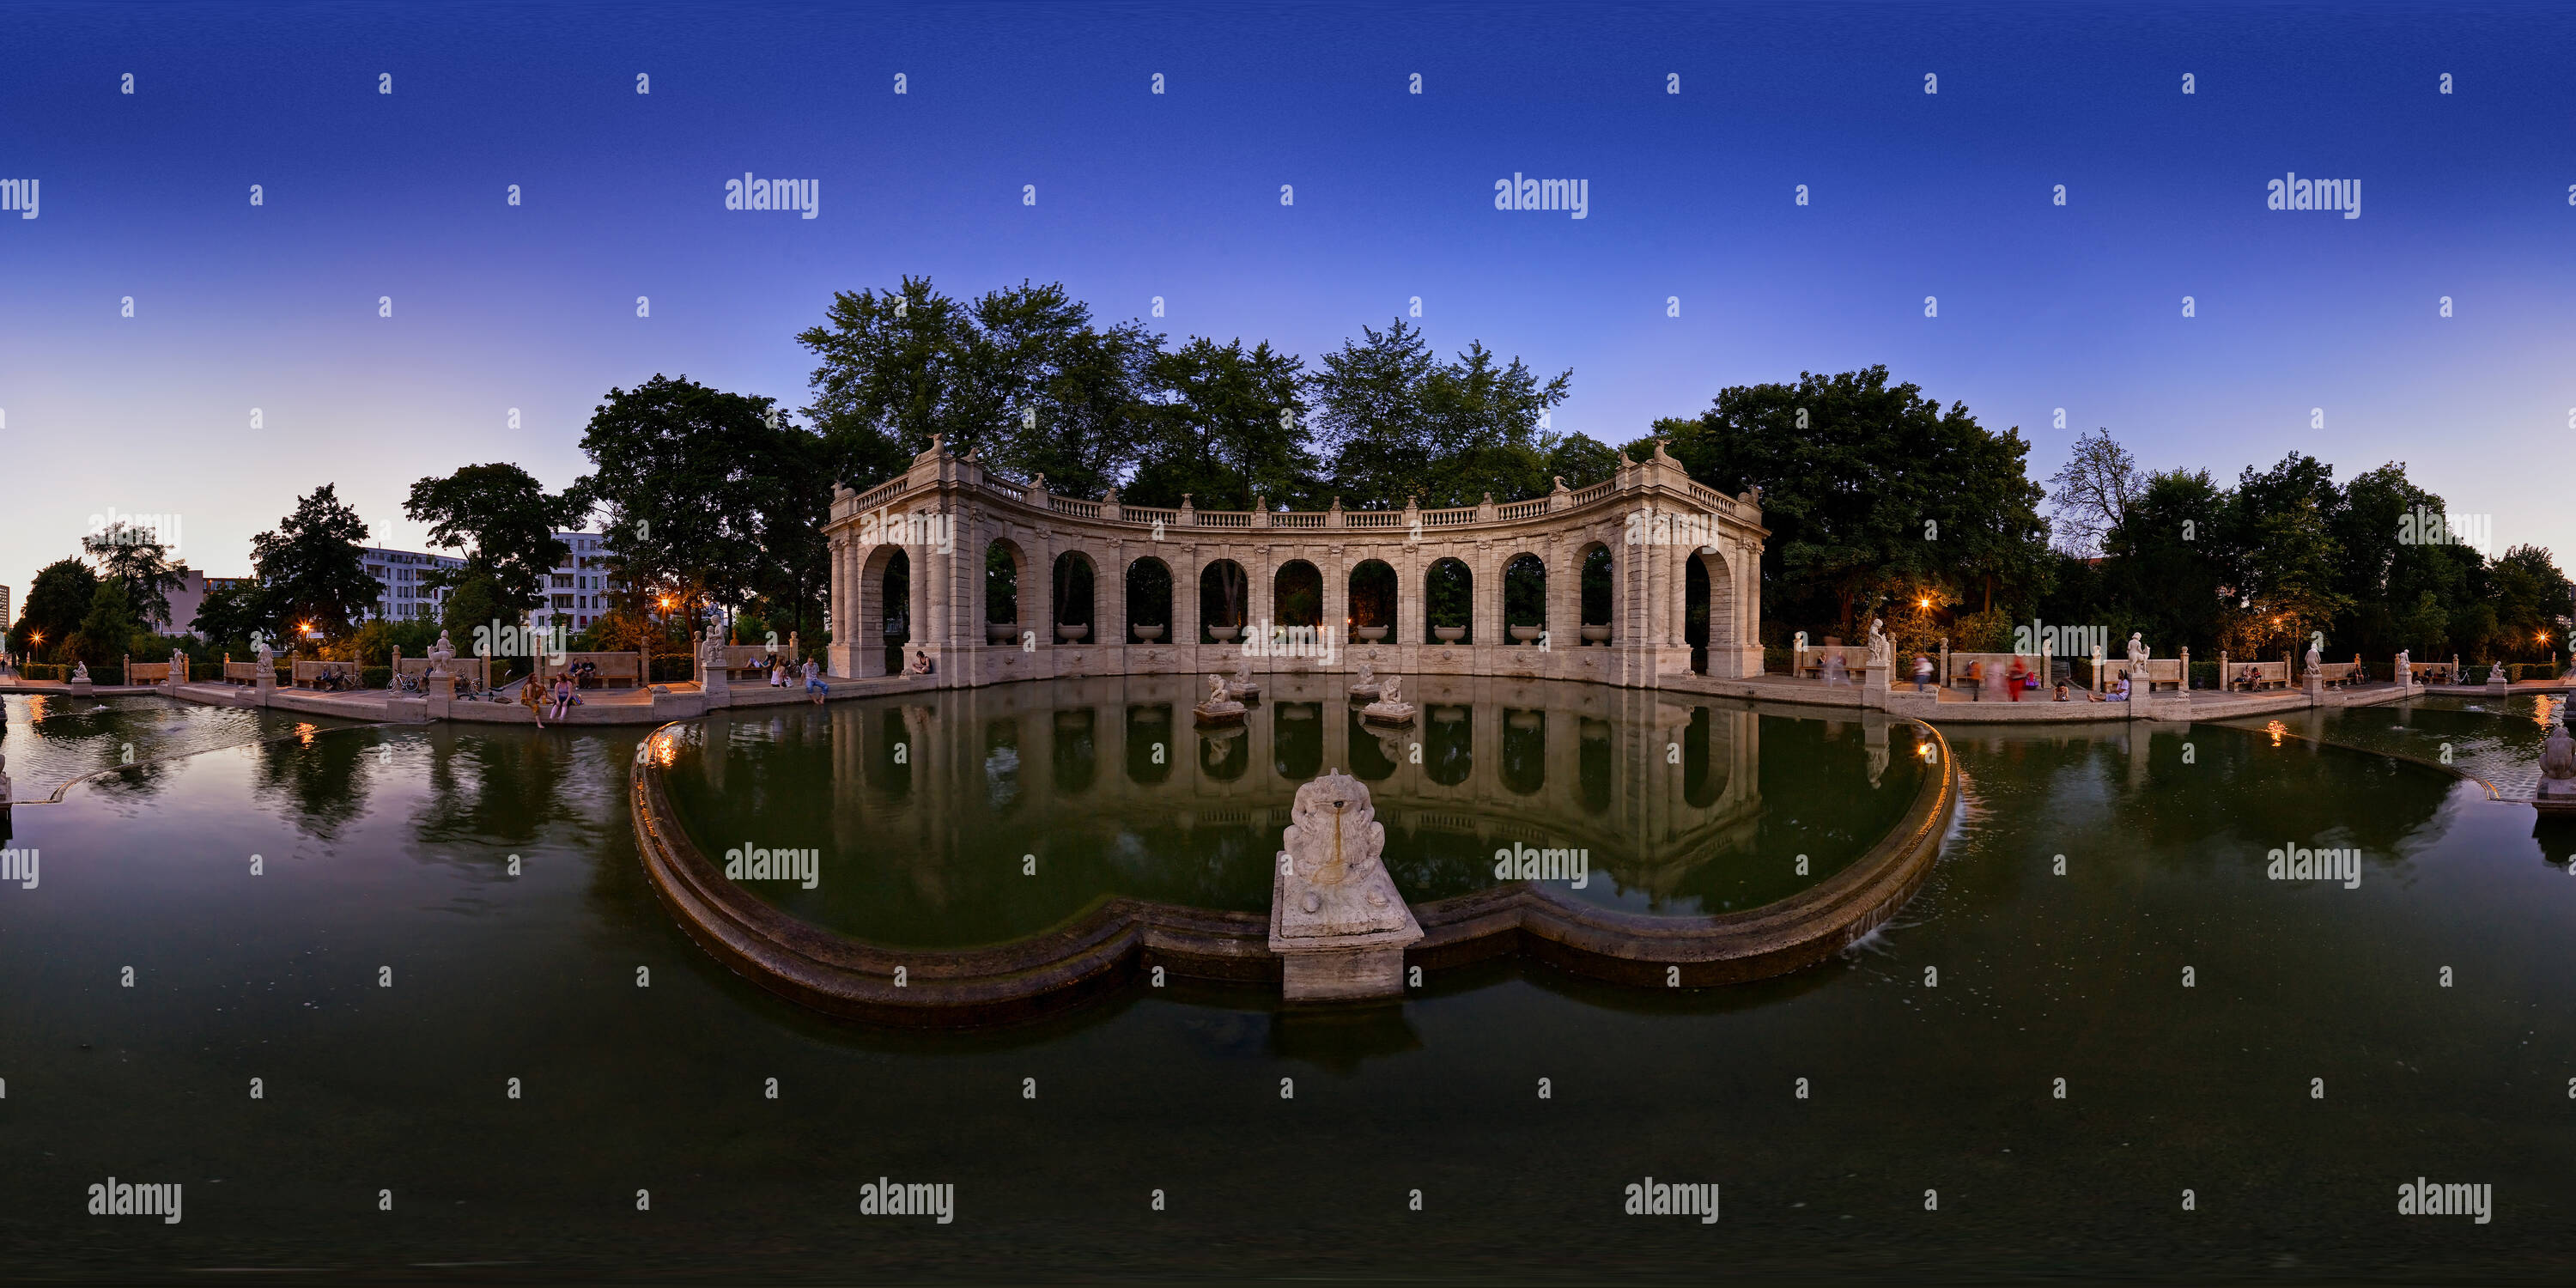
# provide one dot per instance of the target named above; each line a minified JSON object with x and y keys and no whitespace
{"x":178,"y":666}
{"x":80,"y":672}
{"x":1367,"y":686}
{"x":1882,"y":650}
{"x":1390,"y":707}
{"x":2137,"y":656}
{"x":2557,"y":790}
{"x":1336,"y":919}
{"x":2405,"y":669}
{"x":440,"y":654}
{"x":1218,"y":709}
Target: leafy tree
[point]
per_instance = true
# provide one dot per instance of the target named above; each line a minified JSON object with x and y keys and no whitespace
{"x":108,"y":627}
{"x":1020,"y":376}
{"x":505,"y":522}
{"x":1872,"y":492}
{"x":476,"y":601}
{"x":1397,"y":422}
{"x":229,"y":614}
{"x":310,"y":570}
{"x":56,"y":601}
{"x":2163,"y":565}
{"x":134,"y":557}
{"x":1218,"y":434}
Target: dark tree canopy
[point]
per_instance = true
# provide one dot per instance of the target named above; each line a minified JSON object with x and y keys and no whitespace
{"x":309,"y":568}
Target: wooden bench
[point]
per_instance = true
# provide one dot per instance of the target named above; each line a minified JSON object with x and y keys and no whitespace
{"x":472,"y":673}
{"x":1810,"y":664}
{"x":753,"y":658}
{"x":147,"y":672}
{"x":306,"y":673}
{"x":240,"y":672}
{"x":2341,"y":672}
{"x":622,"y":668}
{"x":2433,"y":672}
{"x":2254,"y":676}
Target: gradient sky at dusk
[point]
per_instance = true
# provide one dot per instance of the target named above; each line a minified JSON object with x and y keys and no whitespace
{"x":1177,"y":195}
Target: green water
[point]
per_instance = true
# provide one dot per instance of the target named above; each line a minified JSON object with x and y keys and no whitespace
{"x":986,"y":815}
{"x":393,"y":848}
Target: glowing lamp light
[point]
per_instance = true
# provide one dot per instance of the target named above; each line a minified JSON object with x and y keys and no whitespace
{"x":1923,"y":603}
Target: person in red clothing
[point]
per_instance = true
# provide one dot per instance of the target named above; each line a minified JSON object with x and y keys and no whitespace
{"x":2015,"y":677}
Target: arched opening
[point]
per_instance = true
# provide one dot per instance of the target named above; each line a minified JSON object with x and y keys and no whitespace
{"x":1222,"y":601}
{"x":1149,"y":599}
{"x":1449,"y":744}
{"x":1695,"y":613}
{"x":1524,"y":751}
{"x":1596,"y":587}
{"x":1076,"y":752}
{"x":1719,"y":626}
{"x":1374,"y":752}
{"x":1149,"y":743}
{"x":1297,"y":740}
{"x":1373,"y":602}
{"x":1448,"y":601}
{"x":1297,"y":594}
{"x":1002,"y":561}
{"x":1072,"y":597}
{"x":1524,"y":599}
{"x":1593,"y":754}
{"x":895,"y":597}
{"x":1700,"y":788}
{"x":1224,"y":753}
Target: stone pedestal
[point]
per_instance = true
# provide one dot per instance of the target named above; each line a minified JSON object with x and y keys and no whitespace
{"x":441,"y":696}
{"x":1336,"y":920}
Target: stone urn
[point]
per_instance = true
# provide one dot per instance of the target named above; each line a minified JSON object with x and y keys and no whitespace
{"x":1149,"y":634}
{"x":1449,"y":634}
{"x":1370,"y":634}
{"x":1527,"y":634}
{"x":1066,"y":633}
{"x":1223,"y":634}
{"x":1001,"y":632}
{"x":1596,"y":634}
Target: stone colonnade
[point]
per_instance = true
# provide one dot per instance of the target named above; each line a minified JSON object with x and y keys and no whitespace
{"x":945,"y":513}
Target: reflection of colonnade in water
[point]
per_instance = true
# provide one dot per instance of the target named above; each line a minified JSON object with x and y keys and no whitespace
{"x":1648,"y":786}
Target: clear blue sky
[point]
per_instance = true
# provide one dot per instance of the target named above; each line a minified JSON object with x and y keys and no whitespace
{"x":1177,"y":195}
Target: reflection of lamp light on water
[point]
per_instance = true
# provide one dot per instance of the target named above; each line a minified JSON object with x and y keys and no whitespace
{"x":2276,"y":729}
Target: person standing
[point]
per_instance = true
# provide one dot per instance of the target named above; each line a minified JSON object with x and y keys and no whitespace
{"x":2015,"y":677}
{"x":1922,"y":673}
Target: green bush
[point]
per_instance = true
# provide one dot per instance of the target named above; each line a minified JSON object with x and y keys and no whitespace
{"x":672,"y":668}
{"x":375,"y":677}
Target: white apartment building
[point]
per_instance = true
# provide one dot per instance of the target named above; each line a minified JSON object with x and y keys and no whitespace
{"x":399,"y":574}
{"x":576,"y":592}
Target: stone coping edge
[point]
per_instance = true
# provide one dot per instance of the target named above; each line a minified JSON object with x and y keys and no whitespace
{"x":1117,"y":937}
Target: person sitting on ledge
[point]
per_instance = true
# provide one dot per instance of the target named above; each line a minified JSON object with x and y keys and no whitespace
{"x":920,"y":664}
{"x":2061,"y":692}
{"x":814,"y":686}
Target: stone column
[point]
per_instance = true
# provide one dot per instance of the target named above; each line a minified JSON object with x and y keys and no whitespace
{"x":1183,"y":559}
{"x":1335,"y":629}
{"x":1109,"y":595}
{"x":1485,"y":607}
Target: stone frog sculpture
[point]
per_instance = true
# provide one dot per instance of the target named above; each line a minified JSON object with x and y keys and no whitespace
{"x":1336,"y":919}
{"x":2557,"y":791}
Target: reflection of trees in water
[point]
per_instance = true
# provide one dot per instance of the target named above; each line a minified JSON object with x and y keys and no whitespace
{"x":1524,"y":751}
{"x":502,"y":788}
{"x":1697,"y":786}
{"x":1002,"y":764}
{"x":894,"y":754}
{"x":1149,"y":743}
{"x":1435,"y":863}
{"x":1297,"y":740}
{"x":1371,"y":759}
{"x":1076,"y":756}
{"x":319,"y":777}
{"x":1596,"y":757}
{"x":1449,"y":745}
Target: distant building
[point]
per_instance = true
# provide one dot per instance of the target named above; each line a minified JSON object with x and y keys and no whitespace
{"x":576,"y":591}
{"x":399,"y":576}
{"x":4,"y":608}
